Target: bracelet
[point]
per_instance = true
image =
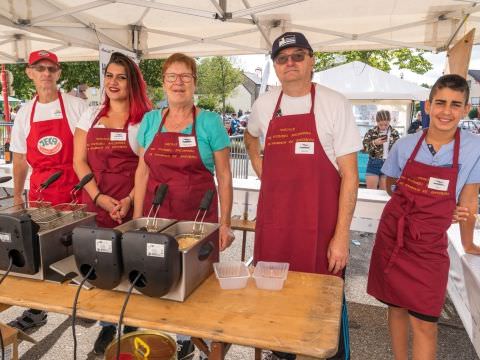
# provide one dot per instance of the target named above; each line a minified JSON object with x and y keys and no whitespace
{"x":96,"y":197}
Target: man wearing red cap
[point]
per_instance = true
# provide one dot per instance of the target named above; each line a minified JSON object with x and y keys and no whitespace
{"x":42,"y":137}
{"x":308,"y":171}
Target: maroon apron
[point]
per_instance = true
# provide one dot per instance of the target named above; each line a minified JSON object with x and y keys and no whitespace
{"x":298,"y":202}
{"x":174,"y":159}
{"x":50,"y":149}
{"x":113,"y":163}
{"x":410,"y":263}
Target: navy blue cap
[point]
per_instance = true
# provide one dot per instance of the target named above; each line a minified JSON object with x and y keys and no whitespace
{"x":290,"y":39}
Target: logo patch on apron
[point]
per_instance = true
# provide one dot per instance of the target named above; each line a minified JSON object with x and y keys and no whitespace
{"x":49,"y":145}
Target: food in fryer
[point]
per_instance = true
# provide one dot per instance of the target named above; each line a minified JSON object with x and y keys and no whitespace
{"x":186,"y":241}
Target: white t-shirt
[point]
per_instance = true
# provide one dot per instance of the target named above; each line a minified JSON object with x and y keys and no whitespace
{"x":74,"y":108}
{"x":88,"y":117}
{"x":336,"y":127}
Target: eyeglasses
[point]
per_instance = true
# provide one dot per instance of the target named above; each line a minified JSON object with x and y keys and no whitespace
{"x":296,"y":57}
{"x":42,"y":68}
{"x":172,"y":77}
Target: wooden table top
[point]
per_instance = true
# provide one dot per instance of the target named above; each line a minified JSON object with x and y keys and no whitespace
{"x":303,"y":318}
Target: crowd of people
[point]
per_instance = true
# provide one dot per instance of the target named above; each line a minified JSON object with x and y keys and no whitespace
{"x":307,"y":167}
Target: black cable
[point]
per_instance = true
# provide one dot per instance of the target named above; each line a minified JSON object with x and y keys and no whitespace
{"x":74,"y":312}
{"x":8,"y":269}
{"x":10,"y":265}
{"x":119,"y":326}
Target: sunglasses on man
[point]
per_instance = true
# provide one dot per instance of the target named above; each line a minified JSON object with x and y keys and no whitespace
{"x":296,"y":57}
{"x":42,"y":68}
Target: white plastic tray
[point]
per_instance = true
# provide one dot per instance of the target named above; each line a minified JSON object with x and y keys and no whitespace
{"x":270,"y":275}
{"x":232,"y":274}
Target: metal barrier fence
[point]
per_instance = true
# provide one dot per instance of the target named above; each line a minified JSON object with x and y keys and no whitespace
{"x":5,"y":130}
{"x":238,"y":157}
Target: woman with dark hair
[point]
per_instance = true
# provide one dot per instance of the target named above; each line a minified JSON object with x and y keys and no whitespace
{"x":377,"y":143}
{"x":105,"y":144}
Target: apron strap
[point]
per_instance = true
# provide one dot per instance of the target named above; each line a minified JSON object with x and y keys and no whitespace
{"x":164,"y":118}
{"x":312,"y":95}
{"x":456,"y":147}
{"x":97,"y":119}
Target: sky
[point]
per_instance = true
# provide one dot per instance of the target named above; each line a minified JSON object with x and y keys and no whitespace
{"x":251,"y":62}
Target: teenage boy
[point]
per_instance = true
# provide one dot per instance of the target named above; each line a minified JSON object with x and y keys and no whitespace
{"x":433,"y":171}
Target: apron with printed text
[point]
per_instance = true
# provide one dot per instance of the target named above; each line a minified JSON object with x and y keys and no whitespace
{"x":174,"y":159}
{"x":50,"y":149}
{"x":409,"y":264}
{"x":113,"y":163}
{"x":298,"y":201}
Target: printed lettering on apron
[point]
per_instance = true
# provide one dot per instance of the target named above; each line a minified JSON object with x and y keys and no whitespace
{"x":49,"y":145}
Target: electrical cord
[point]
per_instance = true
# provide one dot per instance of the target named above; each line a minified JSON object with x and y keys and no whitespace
{"x":122,"y":313}
{"x":2,"y":345}
{"x":74,"y":312}
{"x":10,"y":265}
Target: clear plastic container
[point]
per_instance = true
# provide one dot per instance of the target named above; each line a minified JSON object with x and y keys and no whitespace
{"x":270,"y":275}
{"x":231,"y":274}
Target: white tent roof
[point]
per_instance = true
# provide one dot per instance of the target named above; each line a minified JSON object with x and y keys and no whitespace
{"x":359,"y":81}
{"x":158,"y":28}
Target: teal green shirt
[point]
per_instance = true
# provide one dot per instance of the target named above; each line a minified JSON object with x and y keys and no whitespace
{"x":211,"y":134}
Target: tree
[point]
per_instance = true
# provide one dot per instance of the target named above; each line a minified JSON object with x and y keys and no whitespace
{"x":408,"y":59}
{"x":79,"y":72}
{"x":217,"y":77}
{"x":207,"y":102}
{"x":22,"y":85}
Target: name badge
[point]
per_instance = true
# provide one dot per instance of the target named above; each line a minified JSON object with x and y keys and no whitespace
{"x":438,"y":184}
{"x":186,"y":141}
{"x":118,"y":136}
{"x":304,"y":147}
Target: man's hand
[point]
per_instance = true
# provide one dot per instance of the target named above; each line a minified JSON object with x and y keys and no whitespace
{"x":337,"y":253}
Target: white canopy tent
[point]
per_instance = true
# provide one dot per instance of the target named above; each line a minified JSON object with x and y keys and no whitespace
{"x":359,"y":81}
{"x":157,"y":28}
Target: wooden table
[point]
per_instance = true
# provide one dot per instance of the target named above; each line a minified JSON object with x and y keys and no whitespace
{"x":303,"y":318}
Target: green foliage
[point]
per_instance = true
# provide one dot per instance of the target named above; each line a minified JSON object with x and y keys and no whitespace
{"x":425,"y":85}
{"x":229,"y":109}
{"x":155,"y":94}
{"x":408,"y":59}
{"x":473,"y":113}
{"x":80,"y":72}
{"x":207,"y":102}
{"x":22,"y":85}
{"x":217,"y":77}
{"x":152,"y":72}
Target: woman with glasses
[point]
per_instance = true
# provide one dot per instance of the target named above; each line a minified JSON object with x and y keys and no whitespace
{"x":106,"y":145}
{"x":377,"y":143}
{"x":183,"y":146}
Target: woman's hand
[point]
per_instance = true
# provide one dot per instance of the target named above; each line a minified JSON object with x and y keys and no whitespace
{"x":107,"y":203}
{"x":379,"y":141}
{"x":226,"y":236}
{"x":121,"y":210}
{"x":460,"y":214}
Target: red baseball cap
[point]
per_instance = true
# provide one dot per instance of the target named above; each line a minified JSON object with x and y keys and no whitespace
{"x":36,"y":56}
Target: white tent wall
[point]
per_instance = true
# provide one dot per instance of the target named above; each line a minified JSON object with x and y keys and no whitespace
{"x":156,"y":29}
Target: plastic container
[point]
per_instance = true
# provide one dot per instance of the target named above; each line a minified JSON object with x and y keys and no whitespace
{"x":270,"y":275}
{"x":231,"y":274}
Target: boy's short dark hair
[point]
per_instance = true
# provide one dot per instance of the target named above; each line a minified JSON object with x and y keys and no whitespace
{"x":452,"y":81}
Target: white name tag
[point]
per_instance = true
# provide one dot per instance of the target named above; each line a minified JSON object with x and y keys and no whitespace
{"x":438,"y":184}
{"x":103,"y":246}
{"x":186,"y":141}
{"x":157,"y":250}
{"x":118,"y":136}
{"x":304,"y":147}
{"x":5,"y":237}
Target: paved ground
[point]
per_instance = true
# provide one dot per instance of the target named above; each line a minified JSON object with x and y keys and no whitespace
{"x":369,"y":334}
